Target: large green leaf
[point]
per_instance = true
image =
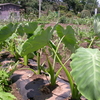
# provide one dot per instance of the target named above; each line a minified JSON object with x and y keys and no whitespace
{"x":27,"y":28}
{"x":20,"y":29}
{"x":30,"y":27}
{"x":86,"y":72}
{"x":69,"y":39}
{"x":35,"y":42}
{"x":7,"y":31}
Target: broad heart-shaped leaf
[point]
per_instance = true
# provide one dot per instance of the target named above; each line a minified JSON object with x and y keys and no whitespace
{"x":86,"y":72}
{"x":30,"y":27}
{"x":69,"y":39}
{"x":20,"y":29}
{"x":35,"y":42}
{"x":97,"y":24}
{"x":7,"y":31}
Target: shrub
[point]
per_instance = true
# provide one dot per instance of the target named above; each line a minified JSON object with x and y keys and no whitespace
{"x":62,"y":19}
{"x":85,"y":13}
{"x":79,"y":15}
{"x":70,"y":14}
{"x":62,"y":13}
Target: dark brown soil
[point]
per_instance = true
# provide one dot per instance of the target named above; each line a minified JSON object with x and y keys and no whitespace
{"x":48,"y":88}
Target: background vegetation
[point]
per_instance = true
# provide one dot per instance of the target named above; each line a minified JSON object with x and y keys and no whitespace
{"x":65,"y":7}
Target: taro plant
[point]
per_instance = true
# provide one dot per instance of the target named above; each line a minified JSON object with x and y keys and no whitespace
{"x":40,"y":38}
{"x":74,"y":91}
{"x":51,"y":66}
{"x":25,"y":31}
{"x":65,"y":37}
{"x":11,"y":43}
{"x":69,"y":39}
{"x":5,"y":32}
{"x":84,"y":77}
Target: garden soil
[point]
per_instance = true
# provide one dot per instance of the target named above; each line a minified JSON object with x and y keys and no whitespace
{"x":28,"y":86}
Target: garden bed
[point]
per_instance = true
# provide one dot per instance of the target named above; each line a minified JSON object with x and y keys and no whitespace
{"x":37,"y":70}
{"x":28,"y":86}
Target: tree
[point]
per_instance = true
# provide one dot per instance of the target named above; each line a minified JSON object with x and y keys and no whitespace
{"x":79,"y":5}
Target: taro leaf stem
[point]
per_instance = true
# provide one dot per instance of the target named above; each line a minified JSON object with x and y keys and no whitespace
{"x":91,"y":42}
{"x":38,"y":61}
{"x":25,"y":60}
{"x":67,"y":73}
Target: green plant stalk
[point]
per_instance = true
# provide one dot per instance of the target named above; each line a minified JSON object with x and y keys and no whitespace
{"x":12,"y":47}
{"x":68,"y":75}
{"x":77,"y":95}
{"x":38,"y":61}
{"x":52,"y":74}
{"x":13,"y":50}
{"x":26,"y":60}
{"x":51,"y":71}
{"x":57,"y":73}
{"x":16,"y":56}
{"x":56,"y":49}
{"x":91,"y":42}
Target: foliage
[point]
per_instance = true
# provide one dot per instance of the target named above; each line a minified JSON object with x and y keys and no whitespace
{"x":63,"y":7}
{"x":79,"y":15}
{"x":78,"y":6}
{"x":4,"y":80}
{"x":35,"y":42}
{"x":7,"y":31}
{"x":6,"y":96}
{"x":4,"y":86}
{"x":30,"y":37}
{"x":85,"y":13}
{"x":62,"y":19}
{"x":70,"y":14}
{"x":43,"y":20}
{"x":62,"y":13}
{"x":69,"y":38}
{"x":51,"y":66}
{"x":52,"y":15}
{"x":85,"y":71}
{"x":31,"y":6}
{"x":38,"y":39}
{"x":75,"y":94}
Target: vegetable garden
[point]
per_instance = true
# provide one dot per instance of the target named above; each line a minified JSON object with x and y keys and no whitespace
{"x":59,"y":46}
